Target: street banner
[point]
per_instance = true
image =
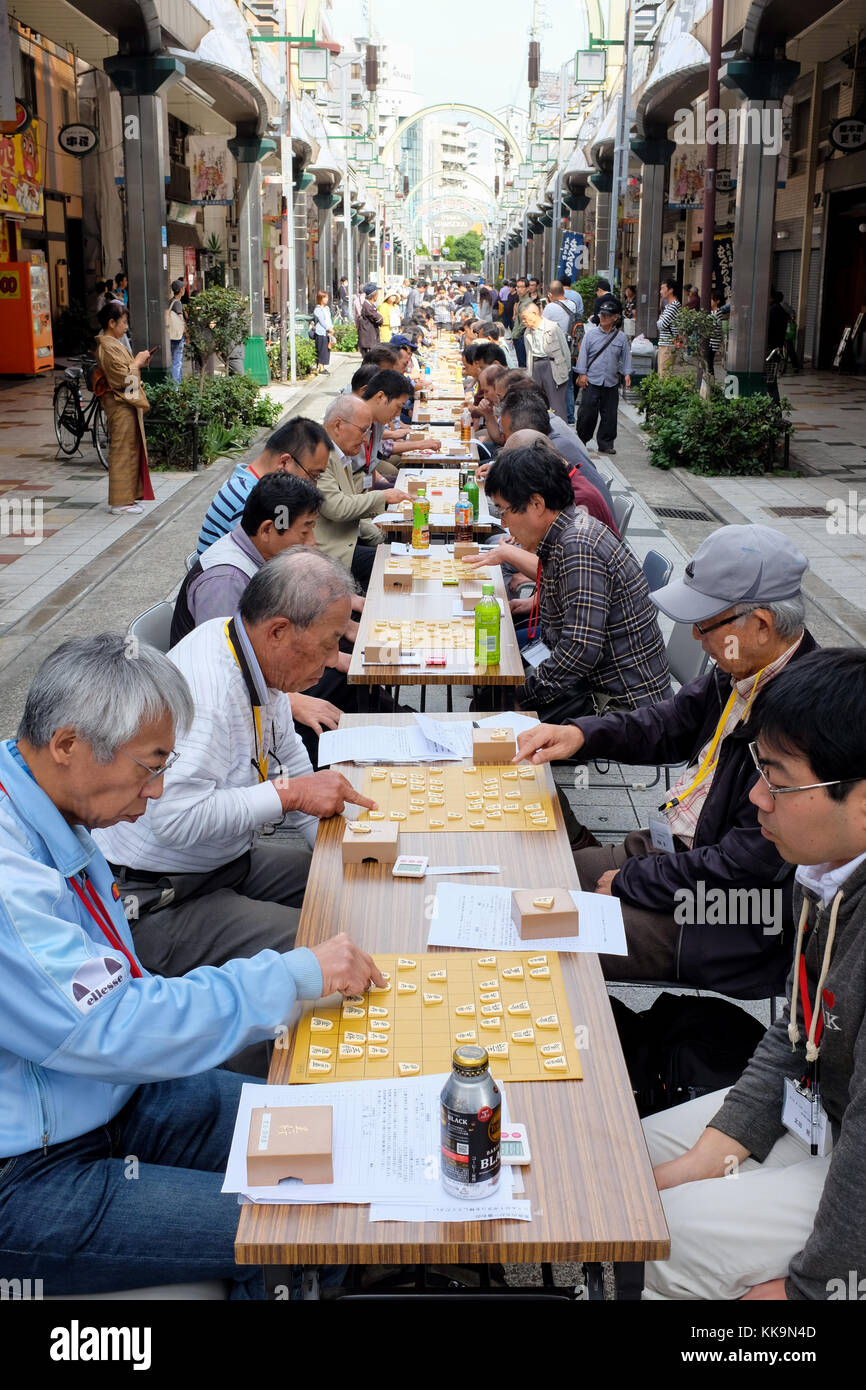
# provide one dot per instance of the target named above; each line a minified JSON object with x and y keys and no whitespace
{"x":723,"y":265}
{"x":211,"y":173}
{"x":687,"y":177}
{"x":21,"y":172}
{"x":570,"y":256}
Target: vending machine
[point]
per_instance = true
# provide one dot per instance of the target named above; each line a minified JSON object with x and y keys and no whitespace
{"x":26,"y":344}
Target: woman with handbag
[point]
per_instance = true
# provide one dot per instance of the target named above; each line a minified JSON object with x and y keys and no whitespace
{"x":324,"y":332}
{"x":125,"y":403}
{"x":176,"y":325}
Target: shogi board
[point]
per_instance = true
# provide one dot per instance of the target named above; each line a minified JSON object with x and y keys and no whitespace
{"x":453,"y":635}
{"x":420,"y":1038}
{"x":446,"y":569}
{"x":463,"y":798}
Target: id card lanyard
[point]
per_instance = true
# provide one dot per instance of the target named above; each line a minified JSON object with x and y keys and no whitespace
{"x":805,"y":1095}
{"x":709,"y":761}
{"x":260,"y":761}
{"x":533,"y":612}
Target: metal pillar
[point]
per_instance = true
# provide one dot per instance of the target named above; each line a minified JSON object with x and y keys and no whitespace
{"x":248,"y":150}
{"x":324,"y":201}
{"x":761,"y":84}
{"x":655,"y":154}
{"x":139,"y":79}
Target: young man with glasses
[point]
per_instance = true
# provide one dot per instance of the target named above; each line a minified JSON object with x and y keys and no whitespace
{"x":741,"y":594}
{"x":792,"y":1129}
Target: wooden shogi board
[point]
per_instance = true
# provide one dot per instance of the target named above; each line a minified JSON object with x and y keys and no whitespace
{"x":444,"y":568}
{"x":452,"y":797}
{"x":415,"y":635}
{"x":411,"y":1036}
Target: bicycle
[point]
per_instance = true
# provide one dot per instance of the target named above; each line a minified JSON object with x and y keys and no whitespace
{"x":72,"y":420}
{"x":776,"y":363}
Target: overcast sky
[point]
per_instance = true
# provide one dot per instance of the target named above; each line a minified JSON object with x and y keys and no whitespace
{"x":468,"y":51}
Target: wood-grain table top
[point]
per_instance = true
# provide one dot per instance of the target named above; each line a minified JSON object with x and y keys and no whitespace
{"x":433,"y":477}
{"x":430,"y":601}
{"x":590,"y":1182}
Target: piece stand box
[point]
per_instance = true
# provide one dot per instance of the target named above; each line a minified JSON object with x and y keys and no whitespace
{"x":376,"y":840}
{"x":414,"y":485}
{"x":537,"y":913}
{"x":470,"y":591}
{"x":382,"y":653}
{"x":290,"y":1141}
{"x":464,"y":548}
{"x":493,"y":745}
{"x":423,"y":417}
{"x":398,"y":581}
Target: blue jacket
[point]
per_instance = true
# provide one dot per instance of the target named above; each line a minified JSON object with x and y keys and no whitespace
{"x":78,"y":1031}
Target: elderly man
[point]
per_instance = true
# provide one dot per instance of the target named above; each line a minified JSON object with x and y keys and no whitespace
{"x":741,"y":593}
{"x":592,"y":630}
{"x":343,"y":509}
{"x":548,"y":357}
{"x":300,"y":447}
{"x":99,"y":1059}
{"x":203,"y":889}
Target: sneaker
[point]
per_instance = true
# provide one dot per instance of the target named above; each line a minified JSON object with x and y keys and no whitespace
{"x":607,"y":451}
{"x":134,"y":508}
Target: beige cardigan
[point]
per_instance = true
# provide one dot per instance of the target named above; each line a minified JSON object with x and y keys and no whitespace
{"x":342,"y":511}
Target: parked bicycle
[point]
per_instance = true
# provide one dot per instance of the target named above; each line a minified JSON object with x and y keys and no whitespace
{"x":72,"y":419}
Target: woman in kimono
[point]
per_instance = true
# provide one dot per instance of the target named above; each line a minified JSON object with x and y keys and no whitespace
{"x":124,"y":402}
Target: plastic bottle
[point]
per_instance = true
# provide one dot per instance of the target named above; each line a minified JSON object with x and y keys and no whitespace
{"x":420,"y":521}
{"x":470,"y":487}
{"x":463,"y":518}
{"x":487,"y":620}
{"x":465,"y":426}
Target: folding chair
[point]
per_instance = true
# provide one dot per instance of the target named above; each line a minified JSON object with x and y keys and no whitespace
{"x":154,"y":626}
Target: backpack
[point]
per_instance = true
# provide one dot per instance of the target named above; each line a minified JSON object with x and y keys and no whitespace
{"x":684,"y":1047}
{"x":311,"y":331}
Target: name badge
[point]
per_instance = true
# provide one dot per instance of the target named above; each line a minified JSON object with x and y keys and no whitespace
{"x":804,"y":1116}
{"x":661,"y":834}
{"x":535,"y":653}
{"x":367,"y":483}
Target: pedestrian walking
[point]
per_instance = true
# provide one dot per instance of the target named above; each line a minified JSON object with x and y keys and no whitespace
{"x":604,"y":355}
{"x":548,"y":357}
{"x":324,"y":328}
{"x":176,"y":324}
{"x":125,"y":403}
{"x":564,"y":312}
{"x":666,"y":324}
{"x":369,"y":320}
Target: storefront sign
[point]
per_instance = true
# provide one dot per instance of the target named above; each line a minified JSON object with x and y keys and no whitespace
{"x":77,"y":139}
{"x":570,"y":255}
{"x":21,"y":172}
{"x":848,"y":135}
{"x":669,"y":248}
{"x":10,"y":284}
{"x":687,"y":177}
{"x":723,"y":265}
{"x":209,"y":164}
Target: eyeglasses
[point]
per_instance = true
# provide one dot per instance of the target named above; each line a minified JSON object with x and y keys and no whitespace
{"x":784,"y":791}
{"x":703,"y":629}
{"x":153,"y":771}
{"x":313,"y":477}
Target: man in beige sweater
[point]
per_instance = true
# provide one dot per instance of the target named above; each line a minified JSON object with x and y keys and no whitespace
{"x":343,"y":509}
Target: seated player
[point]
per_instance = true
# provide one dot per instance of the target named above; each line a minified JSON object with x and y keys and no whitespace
{"x":593,"y":632}
{"x":585,"y":494}
{"x":524,"y":408}
{"x":741,"y":592}
{"x":203,"y":888}
{"x":300,"y":447}
{"x":343,"y":509}
{"x":100,"y":1060}
{"x":793,"y":1224}
{"x":386,"y":394}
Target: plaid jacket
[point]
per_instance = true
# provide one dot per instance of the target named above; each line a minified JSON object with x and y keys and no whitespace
{"x":596,"y":617}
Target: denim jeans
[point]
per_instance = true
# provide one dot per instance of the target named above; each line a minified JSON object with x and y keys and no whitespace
{"x":570,"y":406}
{"x":135,"y":1202}
{"x":177,"y":358}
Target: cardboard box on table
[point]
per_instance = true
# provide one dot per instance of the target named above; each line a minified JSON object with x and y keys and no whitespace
{"x":493,"y":745}
{"x":534,"y":918}
{"x":376,"y":840}
{"x":288,"y":1141}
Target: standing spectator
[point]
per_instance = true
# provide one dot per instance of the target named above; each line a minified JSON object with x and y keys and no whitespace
{"x":369,"y":319}
{"x":414,"y":299}
{"x":486,"y":302}
{"x":548,"y":357}
{"x":324,"y":327}
{"x":517,"y":332}
{"x":99,"y":289}
{"x":121,"y":289}
{"x":604,"y":354}
{"x":629,"y":309}
{"x":343,"y":298}
{"x":124,"y":403}
{"x":666,"y":324}
{"x":391,"y":317}
{"x":176,"y":327}
{"x":716,"y":335}
{"x":441,"y":311}
{"x":602,"y":291}
{"x":572,"y":296}
{"x":694,"y":299}
{"x":563,"y":312}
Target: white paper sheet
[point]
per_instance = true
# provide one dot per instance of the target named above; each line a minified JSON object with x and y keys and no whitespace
{"x":385,"y":1143}
{"x":509,"y":719}
{"x":453,"y":737}
{"x":464,"y":869}
{"x":494,"y":1209}
{"x":378,"y":743}
{"x":480,"y":919}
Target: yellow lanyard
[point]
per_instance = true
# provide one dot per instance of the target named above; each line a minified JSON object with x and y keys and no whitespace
{"x":709,"y":762}
{"x":261,"y":758}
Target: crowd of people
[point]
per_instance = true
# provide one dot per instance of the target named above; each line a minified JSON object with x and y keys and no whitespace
{"x":147,"y":920}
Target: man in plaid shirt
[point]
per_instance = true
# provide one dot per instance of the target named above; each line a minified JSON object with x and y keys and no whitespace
{"x":592,"y":629}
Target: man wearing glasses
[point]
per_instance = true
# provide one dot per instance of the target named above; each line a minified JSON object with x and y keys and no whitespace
{"x":741,"y":594}
{"x":792,"y":1129}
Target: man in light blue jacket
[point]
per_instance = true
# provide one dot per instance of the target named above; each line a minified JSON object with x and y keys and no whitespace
{"x":114,"y":1124}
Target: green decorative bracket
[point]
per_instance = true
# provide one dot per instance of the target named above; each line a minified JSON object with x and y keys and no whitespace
{"x":300,"y":39}
{"x":619,"y":43}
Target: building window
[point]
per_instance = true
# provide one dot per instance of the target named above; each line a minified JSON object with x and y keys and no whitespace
{"x":28,"y":77}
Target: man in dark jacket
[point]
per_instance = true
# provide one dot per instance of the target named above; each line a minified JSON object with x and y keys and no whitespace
{"x":369,"y":320}
{"x":683,"y":883}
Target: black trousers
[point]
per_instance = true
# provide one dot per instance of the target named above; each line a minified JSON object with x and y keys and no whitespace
{"x":595,"y":402}
{"x":362,"y":564}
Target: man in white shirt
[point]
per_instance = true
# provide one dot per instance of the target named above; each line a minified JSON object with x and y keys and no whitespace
{"x":198,"y":887}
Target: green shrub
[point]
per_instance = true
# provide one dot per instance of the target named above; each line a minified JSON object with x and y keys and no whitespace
{"x":720,"y":436}
{"x":305,"y":356}
{"x":586,"y":287}
{"x":230,"y":412}
{"x":659,"y":395}
{"x":346,"y":335}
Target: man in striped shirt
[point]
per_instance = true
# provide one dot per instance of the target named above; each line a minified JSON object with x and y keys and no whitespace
{"x":666,"y":324}
{"x":300,"y":447}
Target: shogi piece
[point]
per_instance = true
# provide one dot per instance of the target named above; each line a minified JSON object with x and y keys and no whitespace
{"x":423,"y":417}
{"x":415,"y":435}
{"x":398,"y":581}
{"x":464,"y":548}
{"x":290,"y":1141}
{"x":413,"y":485}
{"x":542,"y":914}
{"x":382,"y":653}
{"x":493,"y":745}
{"x":377,"y":840}
{"x":406,"y":511}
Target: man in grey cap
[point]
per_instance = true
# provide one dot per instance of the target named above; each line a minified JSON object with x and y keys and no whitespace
{"x":687,"y":883}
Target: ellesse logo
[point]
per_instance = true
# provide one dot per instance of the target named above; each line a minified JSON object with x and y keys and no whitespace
{"x":94,"y":979}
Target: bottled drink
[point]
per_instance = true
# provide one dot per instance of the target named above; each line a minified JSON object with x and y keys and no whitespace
{"x":420,"y":521}
{"x":487,"y":620}
{"x":470,"y":487}
{"x":465,"y":426}
{"x":469,"y":1126}
{"x":463,"y":519}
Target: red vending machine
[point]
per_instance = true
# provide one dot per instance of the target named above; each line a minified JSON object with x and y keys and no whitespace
{"x":26,"y":344}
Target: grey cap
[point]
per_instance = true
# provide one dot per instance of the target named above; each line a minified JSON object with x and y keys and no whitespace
{"x":736,"y":564}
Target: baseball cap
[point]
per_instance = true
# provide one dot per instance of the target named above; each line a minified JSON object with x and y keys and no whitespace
{"x":368,"y":289}
{"x":736,"y":564}
{"x":400,"y":340}
{"x":608,"y":305}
